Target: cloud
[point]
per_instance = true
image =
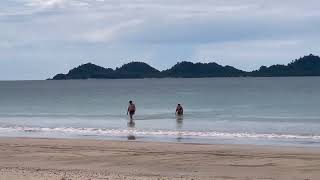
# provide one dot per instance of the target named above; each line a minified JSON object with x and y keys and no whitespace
{"x":243,"y":33}
{"x":46,"y":4}
{"x":112,"y":32}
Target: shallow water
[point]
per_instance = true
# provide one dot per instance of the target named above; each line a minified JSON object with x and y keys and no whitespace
{"x":277,"y":111}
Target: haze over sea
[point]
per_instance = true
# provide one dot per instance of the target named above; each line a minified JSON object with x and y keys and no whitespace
{"x":275,"y":111}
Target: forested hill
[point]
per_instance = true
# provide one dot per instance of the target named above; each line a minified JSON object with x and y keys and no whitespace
{"x":305,"y":66}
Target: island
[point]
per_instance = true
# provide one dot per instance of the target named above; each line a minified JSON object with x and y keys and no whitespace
{"x":305,"y":66}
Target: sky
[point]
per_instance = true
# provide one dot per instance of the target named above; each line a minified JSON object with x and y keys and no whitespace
{"x":40,"y":38}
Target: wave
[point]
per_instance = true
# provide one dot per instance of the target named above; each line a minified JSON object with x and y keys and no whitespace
{"x":142,"y":115}
{"x":149,"y":115}
{"x":169,"y":133}
{"x":62,"y":115}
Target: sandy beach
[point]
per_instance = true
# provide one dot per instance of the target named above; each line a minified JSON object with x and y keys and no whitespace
{"x":28,"y":158}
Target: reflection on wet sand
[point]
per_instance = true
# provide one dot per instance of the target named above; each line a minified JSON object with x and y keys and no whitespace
{"x":131,"y":126}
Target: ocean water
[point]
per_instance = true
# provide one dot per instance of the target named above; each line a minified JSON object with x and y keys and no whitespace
{"x":271,"y":111}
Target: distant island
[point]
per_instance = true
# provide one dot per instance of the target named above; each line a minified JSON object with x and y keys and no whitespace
{"x":304,"y":66}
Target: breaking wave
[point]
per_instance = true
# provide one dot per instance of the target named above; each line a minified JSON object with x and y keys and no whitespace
{"x":164,"y":133}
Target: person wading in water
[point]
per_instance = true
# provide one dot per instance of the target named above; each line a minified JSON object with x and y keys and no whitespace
{"x":179,"y":110}
{"x":131,"y":110}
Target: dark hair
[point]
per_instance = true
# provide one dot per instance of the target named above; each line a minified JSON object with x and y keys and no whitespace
{"x":178,"y":104}
{"x":130,"y":102}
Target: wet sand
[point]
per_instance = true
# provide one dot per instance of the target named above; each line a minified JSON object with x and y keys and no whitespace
{"x":63,"y":159}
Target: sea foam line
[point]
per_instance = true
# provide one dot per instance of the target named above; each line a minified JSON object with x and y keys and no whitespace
{"x":124,"y":132}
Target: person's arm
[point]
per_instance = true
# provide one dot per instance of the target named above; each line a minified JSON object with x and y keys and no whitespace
{"x":128,"y":110}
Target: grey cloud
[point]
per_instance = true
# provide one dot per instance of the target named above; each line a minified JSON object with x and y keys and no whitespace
{"x":244,"y":33}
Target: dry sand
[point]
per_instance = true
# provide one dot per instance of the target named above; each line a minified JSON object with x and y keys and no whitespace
{"x":58,"y":159}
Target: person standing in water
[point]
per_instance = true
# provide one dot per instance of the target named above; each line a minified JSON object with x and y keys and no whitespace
{"x":131,"y":110}
{"x":179,"y":110}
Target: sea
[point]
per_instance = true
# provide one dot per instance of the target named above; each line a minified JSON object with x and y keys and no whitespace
{"x":281,"y":111}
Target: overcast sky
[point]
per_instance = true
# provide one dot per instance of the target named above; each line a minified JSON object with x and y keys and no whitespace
{"x":39,"y":38}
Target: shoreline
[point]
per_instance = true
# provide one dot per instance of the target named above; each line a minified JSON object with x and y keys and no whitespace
{"x":134,"y":139}
{"x":102,"y":79}
{"x":39,"y":158}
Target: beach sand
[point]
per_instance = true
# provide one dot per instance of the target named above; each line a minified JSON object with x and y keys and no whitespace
{"x":64,"y":159}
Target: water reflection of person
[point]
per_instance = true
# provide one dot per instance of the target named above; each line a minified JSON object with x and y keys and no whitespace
{"x":131,"y":126}
{"x":179,"y":120}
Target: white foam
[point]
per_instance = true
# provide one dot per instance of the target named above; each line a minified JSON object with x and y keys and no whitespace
{"x":124,"y":132}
